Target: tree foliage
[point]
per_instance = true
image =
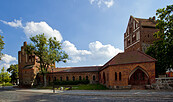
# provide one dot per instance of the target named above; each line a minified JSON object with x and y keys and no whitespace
{"x":1,"y":45}
{"x":14,"y":72}
{"x":162,"y":49}
{"x":48,"y":51}
{"x":4,"y":76}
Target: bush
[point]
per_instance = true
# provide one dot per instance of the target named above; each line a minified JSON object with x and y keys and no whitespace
{"x":71,"y":82}
{"x":7,"y":84}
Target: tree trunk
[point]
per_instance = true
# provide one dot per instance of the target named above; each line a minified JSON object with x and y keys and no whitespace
{"x":45,"y":84}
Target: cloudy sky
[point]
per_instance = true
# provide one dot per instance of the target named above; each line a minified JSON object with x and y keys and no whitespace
{"x":91,"y":31}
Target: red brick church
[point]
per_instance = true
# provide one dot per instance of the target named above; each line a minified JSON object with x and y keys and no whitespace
{"x":132,"y":67}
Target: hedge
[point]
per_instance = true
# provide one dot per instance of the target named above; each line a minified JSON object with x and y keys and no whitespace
{"x":71,"y":82}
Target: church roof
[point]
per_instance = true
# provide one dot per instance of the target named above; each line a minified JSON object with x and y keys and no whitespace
{"x":147,"y":22}
{"x":128,"y":58}
{"x":78,"y":69}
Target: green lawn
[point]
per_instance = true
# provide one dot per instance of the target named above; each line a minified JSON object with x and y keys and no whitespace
{"x":89,"y":87}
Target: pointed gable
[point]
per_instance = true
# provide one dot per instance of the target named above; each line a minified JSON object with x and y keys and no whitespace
{"x":128,"y":58}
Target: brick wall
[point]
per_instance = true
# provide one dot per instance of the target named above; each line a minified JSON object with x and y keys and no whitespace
{"x":125,"y":70}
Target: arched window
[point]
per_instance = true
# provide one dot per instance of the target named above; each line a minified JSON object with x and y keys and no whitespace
{"x":60,"y":78}
{"x":86,"y":77}
{"x":73,"y":78}
{"x":115,"y":76}
{"x":94,"y":77}
{"x":66,"y":78}
{"x":120,"y":76}
{"x":80,"y":78}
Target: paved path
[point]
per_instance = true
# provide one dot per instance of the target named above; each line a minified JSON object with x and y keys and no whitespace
{"x":136,"y":93}
{"x":9,"y":94}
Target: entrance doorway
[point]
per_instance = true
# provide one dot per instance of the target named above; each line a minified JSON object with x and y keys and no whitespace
{"x":138,"y":77}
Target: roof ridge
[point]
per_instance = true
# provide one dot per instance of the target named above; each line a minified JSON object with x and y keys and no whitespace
{"x":80,"y":67}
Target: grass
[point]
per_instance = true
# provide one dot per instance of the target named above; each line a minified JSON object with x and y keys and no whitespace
{"x":78,"y":87}
{"x":89,"y":87}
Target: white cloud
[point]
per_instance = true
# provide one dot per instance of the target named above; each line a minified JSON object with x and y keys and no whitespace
{"x":8,"y":58}
{"x":107,"y":3}
{"x":35,"y":28}
{"x":5,"y":65}
{"x":1,"y":31}
{"x":15,"y":23}
{"x":100,"y":51}
{"x":74,"y":54}
{"x":97,"y":52}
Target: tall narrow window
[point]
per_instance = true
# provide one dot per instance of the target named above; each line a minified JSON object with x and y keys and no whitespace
{"x":120,"y":76}
{"x":66,"y":78}
{"x":26,"y":58}
{"x":80,"y":78}
{"x":54,"y":78}
{"x":60,"y":78}
{"x":49,"y":79}
{"x":143,"y":76}
{"x":86,"y":77}
{"x":94,"y":78}
{"x":73,"y":78}
{"x":115,"y":76}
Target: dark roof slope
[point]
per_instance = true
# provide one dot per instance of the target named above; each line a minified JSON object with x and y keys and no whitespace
{"x":129,"y":57}
{"x":147,"y":22}
{"x":79,"y":69}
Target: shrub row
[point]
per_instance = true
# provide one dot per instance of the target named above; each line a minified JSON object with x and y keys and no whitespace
{"x":71,"y":82}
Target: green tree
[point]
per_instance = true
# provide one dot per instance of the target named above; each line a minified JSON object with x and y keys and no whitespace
{"x":4,"y":76}
{"x":48,"y":51}
{"x":1,"y":46}
{"x":14,"y":72}
{"x":162,"y":49}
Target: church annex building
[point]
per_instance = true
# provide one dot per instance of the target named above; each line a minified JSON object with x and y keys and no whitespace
{"x":132,"y":67}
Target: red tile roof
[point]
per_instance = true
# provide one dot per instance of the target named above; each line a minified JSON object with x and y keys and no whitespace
{"x":129,"y":57}
{"x":78,"y":69}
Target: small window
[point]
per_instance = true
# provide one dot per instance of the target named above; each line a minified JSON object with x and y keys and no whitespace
{"x":73,"y":78}
{"x":67,"y":78}
{"x":80,"y":78}
{"x":60,"y":78}
{"x":115,"y":76}
{"x":120,"y":76}
{"x":49,"y":80}
{"x":86,"y":77}
{"x":94,"y":78}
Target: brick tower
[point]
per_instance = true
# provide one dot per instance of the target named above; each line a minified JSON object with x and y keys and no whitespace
{"x":139,"y":34}
{"x":27,"y":67}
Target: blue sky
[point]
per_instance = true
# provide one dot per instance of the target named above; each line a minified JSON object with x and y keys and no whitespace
{"x":91,"y":31}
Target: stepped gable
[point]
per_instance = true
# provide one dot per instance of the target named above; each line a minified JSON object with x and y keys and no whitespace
{"x":78,"y":69}
{"x":129,"y":57}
